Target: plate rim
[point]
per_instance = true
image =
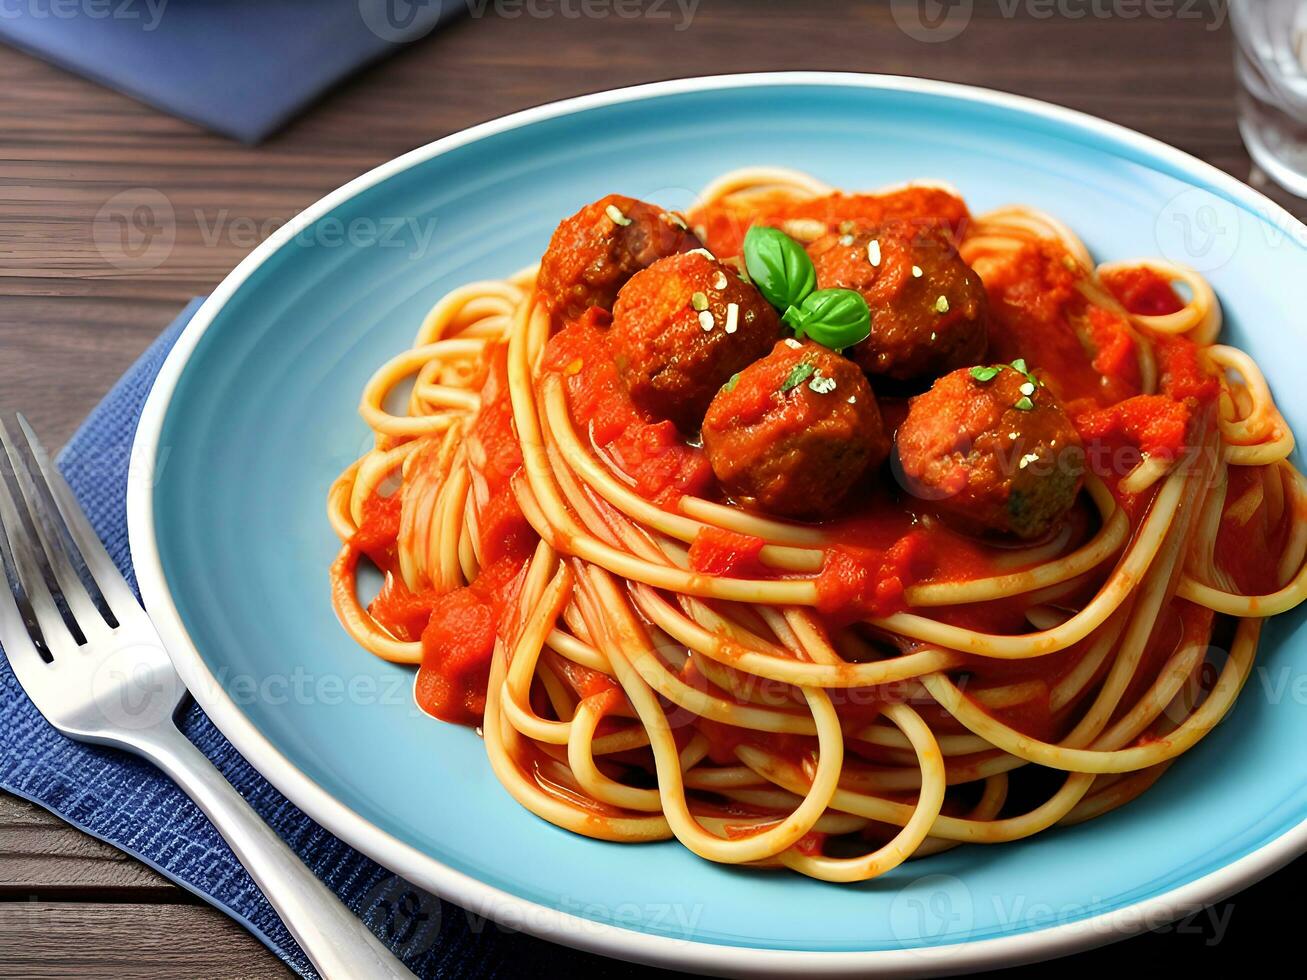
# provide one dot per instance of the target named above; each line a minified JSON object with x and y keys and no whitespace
{"x":563,"y":927}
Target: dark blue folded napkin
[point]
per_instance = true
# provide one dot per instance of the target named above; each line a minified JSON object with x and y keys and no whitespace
{"x":135,"y":808}
{"x":241,"y":67}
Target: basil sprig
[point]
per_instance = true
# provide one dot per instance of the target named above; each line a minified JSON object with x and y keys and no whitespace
{"x":834,"y":318}
{"x":783,"y":272}
{"x":778,"y":266}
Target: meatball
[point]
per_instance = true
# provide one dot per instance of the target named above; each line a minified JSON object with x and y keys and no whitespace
{"x":992,"y":451}
{"x":595,"y":251}
{"x":928,"y":308}
{"x":792,"y":433}
{"x":681,"y":328}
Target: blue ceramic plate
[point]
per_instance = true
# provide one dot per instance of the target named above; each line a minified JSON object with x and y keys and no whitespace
{"x":254,"y":415}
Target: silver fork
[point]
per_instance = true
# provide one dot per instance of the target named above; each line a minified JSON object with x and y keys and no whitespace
{"x":92,"y":662}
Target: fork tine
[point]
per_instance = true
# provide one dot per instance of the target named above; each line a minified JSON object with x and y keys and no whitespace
{"x":56,"y":568}
{"x":42,"y":624}
{"x":21,"y":638}
{"x":68,"y":521}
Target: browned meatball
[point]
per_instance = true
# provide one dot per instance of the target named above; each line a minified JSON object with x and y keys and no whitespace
{"x":992,"y":451}
{"x":795,"y":431}
{"x":928,"y":308}
{"x":595,"y":251}
{"x":681,"y":328}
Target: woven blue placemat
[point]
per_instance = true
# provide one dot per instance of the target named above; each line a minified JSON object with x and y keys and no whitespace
{"x":135,"y":808}
{"x":240,"y":67}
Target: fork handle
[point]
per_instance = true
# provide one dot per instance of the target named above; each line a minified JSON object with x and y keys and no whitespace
{"x":334,"y":938}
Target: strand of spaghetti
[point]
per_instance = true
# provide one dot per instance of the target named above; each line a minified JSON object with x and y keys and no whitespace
{"x":1078,"y":679}
{"x":1254,"y":426}
{"x":745,"y":688}
{"x":1201,"y":562}
{"x":795,"y":672}
{"x":522,"y":664}
{"x":447,"y":521}
{"x":786,"y":774}
{"x":1091,"y":287}
{"x":369,"y":473}
{"x":1258,"y":606}
{"x":577,"y":651}
{"x":763,"y":178}
{"x":724,"y":777}
{"x":530,"y":794}
{"x":704,"y":705}
{"x":466,"y":305}
{"x":361,"y":627}
{"x":338,"y":506}
{"x":991,"y":801}
{"x":627,"y":641}
{"x":580,"y":757}
{"x":1106,"y":543}
{"x":427,"y":471}
{"x":371,"y":405}
{"x":929,"y":802}
{"x":1117,"y":795}
{"x":1197,"y":725}
{"x":1149,"y":470}
{"x":742,"y":522}
{"x":1026,"y":222}
{"x":907,"y":780}
{"x":891,"y":738}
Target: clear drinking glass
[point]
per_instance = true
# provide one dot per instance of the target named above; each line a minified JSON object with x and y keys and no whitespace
{"x":1271,"y":64}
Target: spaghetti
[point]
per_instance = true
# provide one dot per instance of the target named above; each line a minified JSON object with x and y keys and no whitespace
{"x":647,"y":658}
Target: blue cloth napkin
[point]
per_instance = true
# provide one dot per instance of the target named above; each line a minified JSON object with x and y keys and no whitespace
{"x":240,"y":67}
{"x":135,"y":808}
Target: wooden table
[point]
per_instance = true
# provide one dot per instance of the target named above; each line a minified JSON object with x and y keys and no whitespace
{"x":71,"y":322}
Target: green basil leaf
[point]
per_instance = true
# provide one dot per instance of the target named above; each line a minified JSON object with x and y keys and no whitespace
{"x":984,"y":374}
{"x":834,"y":318}
{"x":778,"y":266}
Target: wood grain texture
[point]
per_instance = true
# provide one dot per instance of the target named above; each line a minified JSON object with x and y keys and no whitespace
{"x":87,"y":941}
{"x":40,"y":854}
{"x":75,"y":310}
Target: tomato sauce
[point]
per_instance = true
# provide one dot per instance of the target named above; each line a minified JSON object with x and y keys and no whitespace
{"x":1143,"y":291}
{"x":725,"y":225}
{"x":660,"y":464}
{"x":1254,"y":570}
